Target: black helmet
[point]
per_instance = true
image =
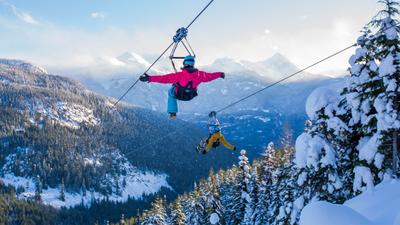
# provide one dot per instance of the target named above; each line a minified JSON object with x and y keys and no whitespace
{"x":212,"y":114}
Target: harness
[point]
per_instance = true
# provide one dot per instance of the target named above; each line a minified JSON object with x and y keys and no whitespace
{"x":216,"y":143}
{"x":185,"y":93}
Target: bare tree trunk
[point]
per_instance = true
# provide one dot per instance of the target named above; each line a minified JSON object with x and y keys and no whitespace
{"x":395,"y":154}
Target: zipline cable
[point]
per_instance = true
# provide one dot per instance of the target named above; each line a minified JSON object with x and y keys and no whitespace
{"x":162,"y":54}
{"x":198,"y":15}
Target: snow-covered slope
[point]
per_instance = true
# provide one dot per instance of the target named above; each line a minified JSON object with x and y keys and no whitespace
{"x":380,"y":206}
{"x":134,"y":183}
{"x":20,"y":64}
{"x":43,"y":124}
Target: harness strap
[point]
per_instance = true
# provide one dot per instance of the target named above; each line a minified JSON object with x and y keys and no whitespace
{"x":189,"y":84}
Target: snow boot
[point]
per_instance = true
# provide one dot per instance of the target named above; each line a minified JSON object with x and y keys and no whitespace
{"x":172,"y":116}
{"x":202,"y":145}
{"x":198,"y":149}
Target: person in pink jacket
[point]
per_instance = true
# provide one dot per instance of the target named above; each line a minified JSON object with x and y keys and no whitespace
{"x":184,"y":83}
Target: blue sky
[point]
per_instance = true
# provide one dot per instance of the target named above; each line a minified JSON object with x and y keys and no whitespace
{"x":62,"y":34}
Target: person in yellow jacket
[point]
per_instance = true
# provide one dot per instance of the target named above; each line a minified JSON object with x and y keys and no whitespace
{"x":215,"y":138}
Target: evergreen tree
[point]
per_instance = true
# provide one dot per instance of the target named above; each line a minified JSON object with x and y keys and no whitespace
{"x":197,"y":210}
{"x":287,"y":150}
{"x":157,"y":215}
{"x":239,"y":207}
{"x":315,"y":172}
{"x":38,"y":189}
{"x":212,"y":196}
{"x":344,"y":150}
{"x":228,"y":187}
{"x":84,"y":188}
{"x":62,"y":191}
{"x":286,"y":201}
{"x":177,"y":215}
{"x":371,"y":99}
{"x":268,"y":166}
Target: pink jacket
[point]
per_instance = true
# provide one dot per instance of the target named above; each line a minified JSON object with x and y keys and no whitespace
{"x":184,"y":77}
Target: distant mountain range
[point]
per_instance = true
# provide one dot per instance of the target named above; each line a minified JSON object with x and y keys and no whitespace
{"x":56,"y":136}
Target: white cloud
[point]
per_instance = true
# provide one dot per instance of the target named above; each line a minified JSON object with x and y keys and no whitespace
{"x":267,"y":32}
{"x":98,"y":15}
{"x":24,"y":16}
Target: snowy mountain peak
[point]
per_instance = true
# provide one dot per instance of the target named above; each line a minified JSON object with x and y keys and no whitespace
{"x":278,"y":57}
{"x":229,"y":65}
{"x":23,"y":65}
{"x":133,"y":58}
{"x":279,"y":62}
{"x":226,"y":60}
{"x":273,"y":68}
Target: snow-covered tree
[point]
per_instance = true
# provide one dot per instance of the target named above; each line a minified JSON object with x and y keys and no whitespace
{"x":344,"y":149}
{"x":177,"y":214}
{"x":212,"y":197}
{"x":38,"y":189}
{"x":196,"y":213}
{"x":253,"y":190}
{"x":316,"y":161}
{"x":314,"y":174}
{"x":238,"y":209}
{"x":283,"y":207}
{"x":286,"y":202}
{"x":287,"y":147}
{"x":372,"y":97}
{"x":266,"y":179}
{"x":228,"y":189}
{"x":157,"y":215}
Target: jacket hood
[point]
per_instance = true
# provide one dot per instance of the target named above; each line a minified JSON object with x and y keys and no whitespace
{"x":190,"y":69}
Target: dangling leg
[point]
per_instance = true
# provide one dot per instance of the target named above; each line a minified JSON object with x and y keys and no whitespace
{"x":172,"y":103}
{"x":211,"y":141}
{"x":226,"y":143}
{"x":202,"y":145}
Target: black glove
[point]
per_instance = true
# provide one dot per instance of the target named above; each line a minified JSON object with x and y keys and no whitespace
{"x":223,"y":75}
{"x":144,"y":78}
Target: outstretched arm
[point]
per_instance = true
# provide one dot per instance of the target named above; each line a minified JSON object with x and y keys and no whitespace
{"x":207,"y":77}
{"x":165,"y":79}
